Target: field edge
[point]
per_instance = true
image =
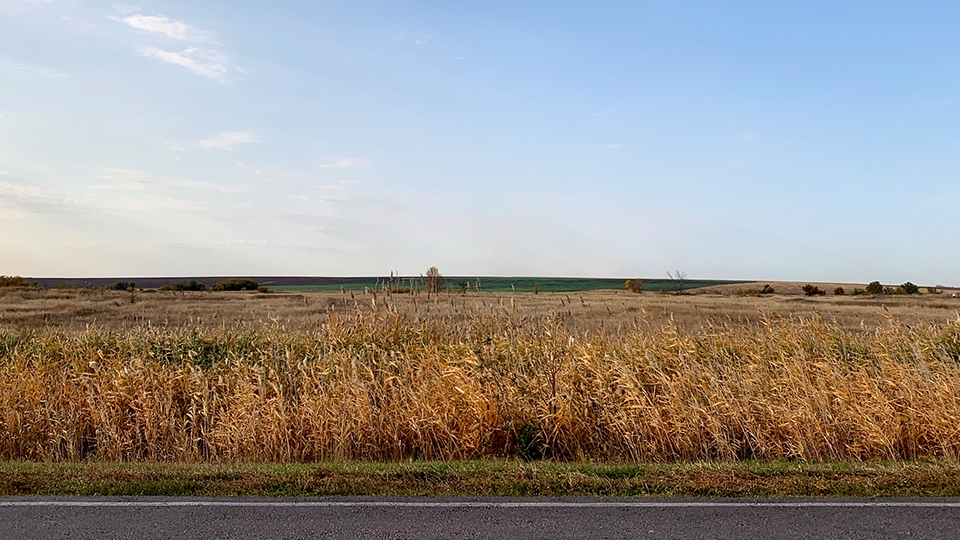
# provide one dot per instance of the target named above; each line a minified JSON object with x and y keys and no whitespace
{"x":483,"y":478}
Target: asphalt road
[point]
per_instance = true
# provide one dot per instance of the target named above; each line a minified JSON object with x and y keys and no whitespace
{"x":145,"y":518}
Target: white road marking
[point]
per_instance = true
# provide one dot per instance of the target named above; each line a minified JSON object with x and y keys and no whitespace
{"x":482,"y":504}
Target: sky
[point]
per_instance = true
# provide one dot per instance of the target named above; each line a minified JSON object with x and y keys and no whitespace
{"x":809,"y":141}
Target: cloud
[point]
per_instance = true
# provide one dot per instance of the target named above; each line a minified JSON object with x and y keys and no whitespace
{"x":228,"y":139}
{"x":172,"y":28}
{"x":205,"y":62}
{"x":179,"y":147}
{"x":416,"y":38}
{"x":346,"y":163}
{"x":39,"y":70}
{"x":4,"y":173}
{"x":128,"y":179}
{"x":191,"y":184}
{"x":208,"y":63}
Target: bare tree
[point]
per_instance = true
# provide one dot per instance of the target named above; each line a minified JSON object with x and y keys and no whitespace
{"x":433,"y":281}
{"x":679,"y":279}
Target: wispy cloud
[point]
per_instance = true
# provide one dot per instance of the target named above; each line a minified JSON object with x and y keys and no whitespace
{"x":228,"y":139}
{"x":191,"y":184}
{"x":4,"y":173}
{"x":417,"y":39}
{"x":224,"y":139}
{"x":39,"y":70}
{"x":208,"y":63}
{"x":172,"y":28}
{"x":129,"y":179}
{"x":205,"y":62}
{"x":346,"y":163}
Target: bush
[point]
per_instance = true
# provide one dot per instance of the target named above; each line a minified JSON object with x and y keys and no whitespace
{"x":122,"y":286}
{"x":874,"y":288}
{"x":191,"y":285}
{"x":811,"y":290}
{"x":767,"y":289}
{"x":236,"y":284}
{"x":857,"y":292}
{"x":15,"y":281}
{"x":910,"y":288}
{"x":840,"y":292}
{"x":634,"y":285}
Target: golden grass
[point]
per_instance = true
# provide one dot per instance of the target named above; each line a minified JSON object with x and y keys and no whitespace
{"x":378,"y":384}
{"x":75,"y":310}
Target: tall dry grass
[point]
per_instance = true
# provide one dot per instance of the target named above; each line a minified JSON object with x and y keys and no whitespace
{"x":387,"y":386}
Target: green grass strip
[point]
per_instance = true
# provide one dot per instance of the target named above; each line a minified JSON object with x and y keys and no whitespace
{"x":483,"y":478}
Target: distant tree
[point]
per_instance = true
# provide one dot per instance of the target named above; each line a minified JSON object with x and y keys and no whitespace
{"x":910,"y":288}
{"x":191,"y":285}
{"x":839,"y":291}
{"x":236,"y":284}
{"x":15,"y":281}
{"x":536,"y":287}
{"x":811,"y":290}
{"x":679,"y":279}
{"x":874,"y":288}
{"x":433,"y":280}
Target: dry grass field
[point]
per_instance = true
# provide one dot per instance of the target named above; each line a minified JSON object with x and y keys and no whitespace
{"x":76,"y":310}
{"x":600,"y":376}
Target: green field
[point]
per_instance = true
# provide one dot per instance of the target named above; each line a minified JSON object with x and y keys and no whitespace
{"x":507,"y":284}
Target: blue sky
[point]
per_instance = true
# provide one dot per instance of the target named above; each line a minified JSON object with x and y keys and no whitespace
{"x":740,"y":140}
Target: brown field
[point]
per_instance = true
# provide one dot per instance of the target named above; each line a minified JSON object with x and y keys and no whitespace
{"x":599,"y":376}
{"x":76,"y":310}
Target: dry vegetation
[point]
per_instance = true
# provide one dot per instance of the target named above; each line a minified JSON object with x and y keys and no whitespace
{"x":599,"y":376}
{"x":76,"y":310}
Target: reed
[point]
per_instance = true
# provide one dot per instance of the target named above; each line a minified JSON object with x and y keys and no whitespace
{"x":382,"y":385}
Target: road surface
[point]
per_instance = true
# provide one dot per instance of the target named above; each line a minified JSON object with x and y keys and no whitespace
{"x":208,"y":519}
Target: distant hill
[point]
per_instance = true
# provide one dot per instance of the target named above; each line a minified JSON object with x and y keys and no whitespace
{"x":319,"y":283}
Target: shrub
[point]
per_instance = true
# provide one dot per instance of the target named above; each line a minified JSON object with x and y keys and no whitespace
{"x":122,"y":286}
{"x":15,"y":281}
{"x":634,"y":285}
{"x":840,"y":292}
{"x":910,"y":288}
{"x":767,"y":289}
{"x":857,"y":292}
{"x":811,"y":290}
{"x":236,"y":284}
{"x":191,"y":285}
{"x":874,"y":288}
